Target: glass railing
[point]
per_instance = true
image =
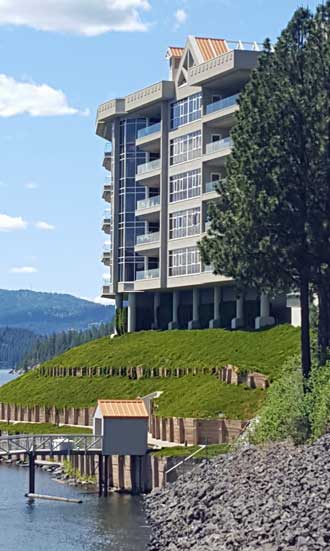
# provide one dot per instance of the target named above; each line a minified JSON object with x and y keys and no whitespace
{"x":147,"y":274}
{"x":221,"y":104}
{"x":207,"y":225}
{"x":147,"y":238}
{"x":107,"y":247}
{"x":148,"y":167}
{"x":149,"y":130}
{"x":108,"y":148}
{"x":213,"y":147}
{"x":148,"y":203}
{"x":211,"y":186}
{"x":207,"y":268}
{"x":107,"y":214}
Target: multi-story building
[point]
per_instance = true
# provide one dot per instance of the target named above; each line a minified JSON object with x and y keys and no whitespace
{"x":166,"y":149}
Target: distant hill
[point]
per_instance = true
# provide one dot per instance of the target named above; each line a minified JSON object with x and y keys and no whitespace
{"x":46,"y":313}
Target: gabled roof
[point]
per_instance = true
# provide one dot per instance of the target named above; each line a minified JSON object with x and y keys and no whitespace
{"x":123,"y":409}
{"x":174,"y":51}
{"x":211,"y":47}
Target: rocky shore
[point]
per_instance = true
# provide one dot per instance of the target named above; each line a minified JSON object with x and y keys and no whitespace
{"x":270,"y":499}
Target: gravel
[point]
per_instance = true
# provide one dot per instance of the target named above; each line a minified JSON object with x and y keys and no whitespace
{"x":270,"y":499}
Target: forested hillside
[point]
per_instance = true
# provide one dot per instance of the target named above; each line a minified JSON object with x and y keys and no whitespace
{"x":46,"y":313}
{"x":46,"y":348}
{"x":14,"y":344}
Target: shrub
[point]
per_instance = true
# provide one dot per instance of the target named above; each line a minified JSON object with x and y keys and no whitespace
{"x":285,"y":413}
{"x":318,"y":400}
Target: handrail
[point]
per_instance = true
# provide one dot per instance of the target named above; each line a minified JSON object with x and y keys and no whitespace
{"x":201,"y":447}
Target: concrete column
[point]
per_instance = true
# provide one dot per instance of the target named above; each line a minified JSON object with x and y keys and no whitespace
{"x":216,"y":321}
{"x":131,"y":314}
{"x":174,"y":324}
{"x":264,"y":320}
{"x":238,"y":321}
{"x":155,"y":324}
{"x":195,"y":322}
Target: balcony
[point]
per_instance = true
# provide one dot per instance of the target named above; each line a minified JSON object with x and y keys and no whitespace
{"x":146,"y":238}
{"x":107,"y":257}
{"x":107,"y":190}
{"x":219,"y":145}
{"x":222,"y":104}
{"x":107,"y":160}
{"x":107,"y":221}
{"x":107,"y":285}
{"x":149,"y":208}
{"x":147,"y":274}
{"x":207,"y":225}
{"x":148,"y":130}
{"x":211,"y":187}
{"x":150,"y":166}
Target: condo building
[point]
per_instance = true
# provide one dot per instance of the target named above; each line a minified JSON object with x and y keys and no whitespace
{"x":166,"y":149}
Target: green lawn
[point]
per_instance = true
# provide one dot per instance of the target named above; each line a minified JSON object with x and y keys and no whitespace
{"x":189,"y":396}
{"x":40,"y":428}
{"x":263,"y":351}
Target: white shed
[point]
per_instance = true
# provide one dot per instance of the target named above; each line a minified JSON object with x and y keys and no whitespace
{"x":123,"y":425}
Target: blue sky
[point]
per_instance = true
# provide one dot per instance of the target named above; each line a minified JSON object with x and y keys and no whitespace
{"x":84,"y":52}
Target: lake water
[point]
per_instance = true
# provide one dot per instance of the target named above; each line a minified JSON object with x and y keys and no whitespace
{"x":116,"y":523}
{"x":5,"y":376}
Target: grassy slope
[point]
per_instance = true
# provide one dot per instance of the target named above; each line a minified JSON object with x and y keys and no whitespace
{"x":263,"y":351}
{"x":191,"y":396}
{"x":40,"y":428}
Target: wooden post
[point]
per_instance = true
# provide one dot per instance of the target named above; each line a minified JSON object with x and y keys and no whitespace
{"x":100,"y":474}
{"x":106,"y":475}
{"x":31,"y":473}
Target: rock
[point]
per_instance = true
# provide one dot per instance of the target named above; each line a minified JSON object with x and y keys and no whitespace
{"x":255,"y":499}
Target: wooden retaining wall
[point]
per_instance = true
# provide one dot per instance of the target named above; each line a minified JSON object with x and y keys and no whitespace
{"x":44,"y":414}
{"x":228,"y":374}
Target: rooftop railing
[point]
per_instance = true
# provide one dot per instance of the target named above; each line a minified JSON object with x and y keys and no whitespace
{"x":148,"y":203}
{"x":222,"y":104}
{"x":152,"y":129}
{"x":148,"y":238}
{"x":148,"y":167}
{"x":213,"y":147}
{"x":147,"y":274}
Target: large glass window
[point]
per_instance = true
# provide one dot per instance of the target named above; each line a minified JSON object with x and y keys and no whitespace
{"x":186,"y":110}
{"x":185,"y":223}
{"x":187,"y":147}
{"x":184,"y":261}
{"x":185,"y":185}
{"x":129,"y":193}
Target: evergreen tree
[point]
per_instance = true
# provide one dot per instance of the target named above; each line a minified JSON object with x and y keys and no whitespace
{"x":270,"y":225}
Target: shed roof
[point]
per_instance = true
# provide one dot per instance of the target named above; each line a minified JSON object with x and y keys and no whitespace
{"x":116,"y":409}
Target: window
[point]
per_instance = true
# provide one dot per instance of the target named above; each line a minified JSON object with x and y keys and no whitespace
{"x":186,"y":110}
{"x":187,"y":147}
{"x":216,"y":137}
{"x":184,"y":261}
{"x":185,"y":185}
{"x":185,"y":223}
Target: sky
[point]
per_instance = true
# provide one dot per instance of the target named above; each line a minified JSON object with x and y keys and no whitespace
{"x":58,"y":62}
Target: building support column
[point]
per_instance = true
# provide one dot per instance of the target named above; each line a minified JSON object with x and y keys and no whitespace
{"x":155,"y":324}
{"x":238,"y":321}
{"x":118,"y":306}
{"x":195,"y":322}
{"x":216,"y":321}
{"x":174,"y":324}
{"x":131,"y":313}
{"x":264,"y":320}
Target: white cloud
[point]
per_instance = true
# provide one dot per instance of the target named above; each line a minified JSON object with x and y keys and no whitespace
{"x":86,"y":17}
{"x":180,"y":17}
{"x":17,"y":98}
{"x":31,"y":185}
{"x":11,"y":223}
{"x":44,"y":226}
{"x":23,"y":270}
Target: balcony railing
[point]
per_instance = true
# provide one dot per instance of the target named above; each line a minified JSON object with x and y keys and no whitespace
{"x":108,"y":148}
{"x":222,"y":104}
{"x":148,"y":167}
{"x":148,"y":203}
{"x":107,"y":214}
{"x":148,"y":238}
{"x":152,"y":129}
{"x":147,"y":274}
{"x":207,"y":225}
{"x":211,"y":186}
{"x":107,"y":247}
{"x":213,"y":147}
